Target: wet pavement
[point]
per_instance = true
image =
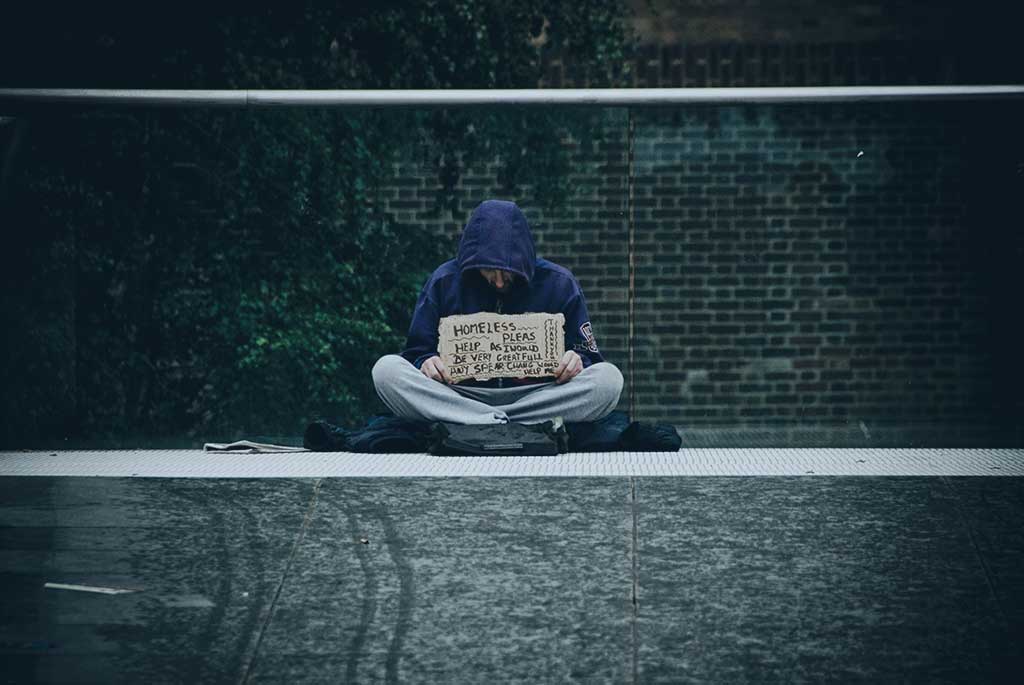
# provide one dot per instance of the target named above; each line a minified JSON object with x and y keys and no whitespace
{"x":722,"y":579}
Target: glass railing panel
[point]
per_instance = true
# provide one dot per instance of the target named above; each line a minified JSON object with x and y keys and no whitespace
{"x":193,"y":275}
{"x":830,"y":274}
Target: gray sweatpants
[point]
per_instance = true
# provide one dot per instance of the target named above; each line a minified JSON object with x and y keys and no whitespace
{"x":589,"y":396}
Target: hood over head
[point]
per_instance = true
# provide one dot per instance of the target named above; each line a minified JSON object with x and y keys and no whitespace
{"x":497,"y":236}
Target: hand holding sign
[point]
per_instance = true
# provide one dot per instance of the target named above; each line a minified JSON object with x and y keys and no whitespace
{"x":435,"y":369}
{"x":568,"y":368}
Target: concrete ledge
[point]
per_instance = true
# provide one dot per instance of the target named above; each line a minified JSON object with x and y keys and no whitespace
{"x":763,"y":461}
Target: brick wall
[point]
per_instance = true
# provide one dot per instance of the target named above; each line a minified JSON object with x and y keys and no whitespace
{"x":793,"y":264}
{"x":812,"y":264}
{"x":725,"y":65}
{"x":694,"y":22}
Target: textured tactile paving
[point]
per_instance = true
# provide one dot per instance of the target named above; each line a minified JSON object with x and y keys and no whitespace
{"x":753,"y":461}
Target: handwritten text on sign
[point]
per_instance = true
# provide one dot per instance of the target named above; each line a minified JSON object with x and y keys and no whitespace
{"x":487,"y":345}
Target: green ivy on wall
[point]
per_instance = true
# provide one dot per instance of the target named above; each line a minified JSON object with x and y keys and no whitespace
{"x":213,"y":274}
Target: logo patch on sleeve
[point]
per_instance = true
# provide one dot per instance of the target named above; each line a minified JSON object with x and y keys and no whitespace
{"x":588,"y":338}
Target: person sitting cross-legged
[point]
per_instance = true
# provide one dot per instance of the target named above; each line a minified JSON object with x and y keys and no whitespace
{"x":497,"y":270}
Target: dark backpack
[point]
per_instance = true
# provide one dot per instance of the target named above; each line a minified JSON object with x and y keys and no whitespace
{"x":616,"y":433}
{"x":381,"y":434}
{"x":384,"y":433}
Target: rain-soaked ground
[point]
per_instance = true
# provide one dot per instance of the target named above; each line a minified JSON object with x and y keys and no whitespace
{"x":617,"y":579}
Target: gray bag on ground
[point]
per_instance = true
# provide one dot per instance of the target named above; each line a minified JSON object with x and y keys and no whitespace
{"x":547,"y":438}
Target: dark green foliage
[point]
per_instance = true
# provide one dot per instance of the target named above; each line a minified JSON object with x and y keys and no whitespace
{"x":225,"y":273}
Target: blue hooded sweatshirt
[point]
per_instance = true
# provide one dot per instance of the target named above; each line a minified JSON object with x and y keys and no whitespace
{"x":498,"y":237}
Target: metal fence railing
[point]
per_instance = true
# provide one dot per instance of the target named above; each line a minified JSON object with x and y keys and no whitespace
{"x":602,"y":97}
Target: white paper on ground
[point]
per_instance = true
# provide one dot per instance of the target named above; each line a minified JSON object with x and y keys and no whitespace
{"x":249,"y":446}
{"x":89,"y":588}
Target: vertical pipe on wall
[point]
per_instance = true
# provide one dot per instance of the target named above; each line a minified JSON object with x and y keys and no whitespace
{"x":631,"y":231}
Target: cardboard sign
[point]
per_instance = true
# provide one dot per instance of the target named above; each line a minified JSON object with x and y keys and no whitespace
{"x":486,"y":345}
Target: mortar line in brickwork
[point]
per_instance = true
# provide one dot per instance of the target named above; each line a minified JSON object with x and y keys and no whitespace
{"x":631,"y":231}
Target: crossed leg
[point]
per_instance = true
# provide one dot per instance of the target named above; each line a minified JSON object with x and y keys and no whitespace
{"x":589,"y":396}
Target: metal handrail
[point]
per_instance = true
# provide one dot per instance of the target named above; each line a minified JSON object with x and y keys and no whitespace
{"x":605,"y":97}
